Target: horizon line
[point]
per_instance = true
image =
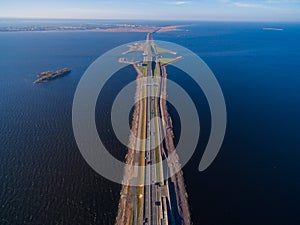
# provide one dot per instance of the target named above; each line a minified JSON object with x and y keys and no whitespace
{"x":162,"y":20}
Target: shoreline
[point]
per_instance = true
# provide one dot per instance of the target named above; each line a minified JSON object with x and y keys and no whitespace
{"x":116,"y":29}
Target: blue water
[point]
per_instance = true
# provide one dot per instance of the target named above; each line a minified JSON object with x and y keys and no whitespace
{"x":255,"y":178}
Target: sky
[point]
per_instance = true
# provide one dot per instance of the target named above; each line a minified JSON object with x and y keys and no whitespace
{"x":214,"y":10}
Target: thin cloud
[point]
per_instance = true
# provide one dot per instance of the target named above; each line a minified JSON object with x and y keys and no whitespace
{"x":258,"y":3}
{"x":178,"y":3}
{"x":247,"y":5}
{"x":282,"y":1}
{"x":242,"y":4}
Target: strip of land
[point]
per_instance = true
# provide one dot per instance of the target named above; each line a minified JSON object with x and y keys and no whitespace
{"x":272,"y":28}
{"x":99,"y":28}
{"x":156,"y":199}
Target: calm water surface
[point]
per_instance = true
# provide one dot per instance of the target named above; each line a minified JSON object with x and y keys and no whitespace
{"x":255,"y":178}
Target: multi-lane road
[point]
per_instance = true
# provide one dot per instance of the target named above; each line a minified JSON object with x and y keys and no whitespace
{"x":156,"y":199}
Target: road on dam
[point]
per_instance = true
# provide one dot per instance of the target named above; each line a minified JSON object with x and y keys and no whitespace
{"x":156,"y":199}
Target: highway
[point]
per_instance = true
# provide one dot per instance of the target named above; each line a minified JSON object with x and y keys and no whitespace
{"x":161,"y":202}
{"x":154,"y":213}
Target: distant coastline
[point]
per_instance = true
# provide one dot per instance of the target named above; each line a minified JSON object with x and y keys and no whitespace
{"x":99,"y":28}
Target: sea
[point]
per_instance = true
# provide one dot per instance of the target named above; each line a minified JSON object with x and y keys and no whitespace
{"x":255,"y":177}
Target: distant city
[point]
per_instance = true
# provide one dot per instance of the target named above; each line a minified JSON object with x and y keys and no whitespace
{"x":89,"y":27}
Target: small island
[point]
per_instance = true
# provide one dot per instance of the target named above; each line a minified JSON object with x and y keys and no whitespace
{"x":49,"y":75}
{"x":272,"y":28}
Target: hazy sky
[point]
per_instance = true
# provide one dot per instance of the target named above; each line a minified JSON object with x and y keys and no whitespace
{"x":269,"y":10}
